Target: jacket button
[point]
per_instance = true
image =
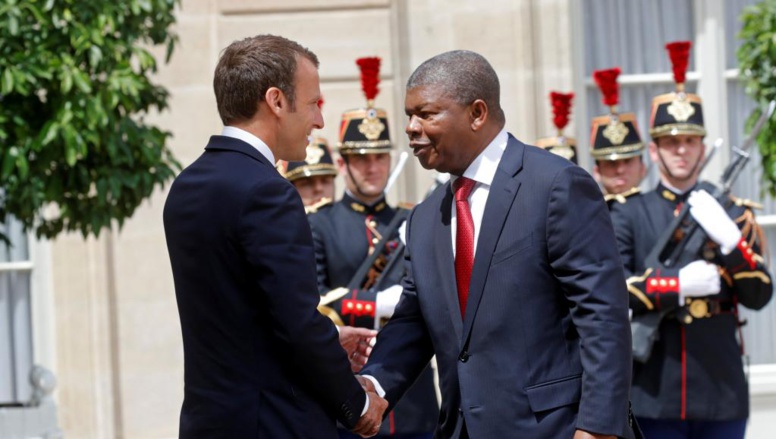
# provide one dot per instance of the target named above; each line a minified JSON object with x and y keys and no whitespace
{"x":464,"y":357}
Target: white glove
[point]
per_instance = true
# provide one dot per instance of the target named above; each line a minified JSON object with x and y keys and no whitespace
{"x":697,"y":279}
{"x":403,"y":232}
{"x":714,"y":220}
{"x":386,"y":302}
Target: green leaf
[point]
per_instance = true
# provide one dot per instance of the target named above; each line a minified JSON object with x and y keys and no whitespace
{"x":22,"y":165}
{"x":82,"y":82}
{"x":50,"y":131}
{"x":95,"y":56}
{"x":9,"y":160}
{"x":67,"y":80}
{"x":7,"y":85}
{"x":13,"y":24}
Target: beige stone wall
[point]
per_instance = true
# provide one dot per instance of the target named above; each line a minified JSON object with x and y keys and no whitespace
{"x":119,"y":354}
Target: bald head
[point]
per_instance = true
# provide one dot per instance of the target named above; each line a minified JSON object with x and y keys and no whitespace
{"x":465,"y":76}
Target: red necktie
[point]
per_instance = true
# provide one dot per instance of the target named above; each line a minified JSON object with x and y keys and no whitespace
{"x":464,"y":239}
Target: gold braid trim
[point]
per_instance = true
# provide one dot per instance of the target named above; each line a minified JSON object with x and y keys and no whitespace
{"x":753,"y":233}
{"x":637,"y":292}
{"x":334,"y":295}
{"x":331,"y":314}
{"x":753,"y":274}
{"x":726,"y":276}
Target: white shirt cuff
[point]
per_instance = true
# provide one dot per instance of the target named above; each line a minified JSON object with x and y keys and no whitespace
{"x":366,"y":405}
{"x":378,"y":387}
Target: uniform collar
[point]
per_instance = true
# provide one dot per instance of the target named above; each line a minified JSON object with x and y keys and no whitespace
{"x":671,"y":194}
{"x":358,"y":206}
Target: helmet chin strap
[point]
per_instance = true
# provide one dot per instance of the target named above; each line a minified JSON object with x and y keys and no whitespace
{"x":346,"y":158}
{"x":671,"y":175}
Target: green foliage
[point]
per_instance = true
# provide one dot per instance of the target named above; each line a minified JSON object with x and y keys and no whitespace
{"x":757,"y":63}
{"x":75,"y":152}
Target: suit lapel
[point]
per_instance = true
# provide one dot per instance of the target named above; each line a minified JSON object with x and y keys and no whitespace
{"x":445,"y":259}
{"x":500,"y":198}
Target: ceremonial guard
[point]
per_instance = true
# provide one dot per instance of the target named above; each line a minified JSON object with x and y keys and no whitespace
{"x":615,"y":144}
{"x":361,"y":225}
{"x":559,"y":144}
{"x":313,"y":177}
{"x":688,"y":377}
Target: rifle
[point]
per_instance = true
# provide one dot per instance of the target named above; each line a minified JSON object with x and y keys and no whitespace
{"x":683,"y":241}
{"x":359,"y":279}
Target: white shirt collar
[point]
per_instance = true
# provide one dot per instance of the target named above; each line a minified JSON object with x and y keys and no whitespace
{"x":483,"y":168}
{"x":240,"y":134}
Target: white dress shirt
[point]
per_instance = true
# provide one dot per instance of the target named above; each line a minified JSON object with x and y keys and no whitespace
{"x":482,"y":170}
{"x":237,"y":133}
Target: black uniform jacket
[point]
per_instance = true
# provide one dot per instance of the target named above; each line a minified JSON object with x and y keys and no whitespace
{"x":343,"y":235}
{"x":695,"y":371}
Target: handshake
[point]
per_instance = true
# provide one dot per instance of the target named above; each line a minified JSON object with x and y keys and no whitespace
{"x":357,"y":343}
{"x":369,"y":424}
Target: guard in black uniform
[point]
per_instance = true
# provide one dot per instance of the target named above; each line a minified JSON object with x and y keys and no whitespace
{"x":348,"y":232}
{"x":692,"y":385}
{"x":616,"y":144}
{"x":313,"y":177}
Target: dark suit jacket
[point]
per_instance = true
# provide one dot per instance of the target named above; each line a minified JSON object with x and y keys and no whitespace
{"x":544,"y":347}
{"x":259,"y":360}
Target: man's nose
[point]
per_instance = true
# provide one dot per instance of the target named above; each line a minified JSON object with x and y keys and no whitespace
{"x":413,"y":126}
{"x":318,"y":121}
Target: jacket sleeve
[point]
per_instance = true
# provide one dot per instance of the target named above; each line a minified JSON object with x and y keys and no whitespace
{"x":652,"y":289}
{"x":584,"y":258}
{"x":276,"y":240}
{"x":404,"y":346}
{"x":744,"y":268}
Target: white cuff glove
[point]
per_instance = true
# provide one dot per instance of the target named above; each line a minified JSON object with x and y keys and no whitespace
{"x":386,"y":302}
{"x":714,"y":220}
{"x":697,"y":279}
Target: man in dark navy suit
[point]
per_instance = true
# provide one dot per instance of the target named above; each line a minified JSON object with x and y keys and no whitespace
{"x":260,"y":361}
{"x":513,"y":276}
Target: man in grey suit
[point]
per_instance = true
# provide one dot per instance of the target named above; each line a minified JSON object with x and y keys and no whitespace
{"x":514,"y":279}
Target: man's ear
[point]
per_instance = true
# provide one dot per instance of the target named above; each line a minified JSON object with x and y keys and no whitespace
{"x":275,"y":99}
{"x":478,"y":112}
{"x":341,"y":166}
{"x":653,"y":152}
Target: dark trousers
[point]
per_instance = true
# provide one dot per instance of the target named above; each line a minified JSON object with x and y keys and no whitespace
{"x":348,"y":435}
{"x":672,"y":429}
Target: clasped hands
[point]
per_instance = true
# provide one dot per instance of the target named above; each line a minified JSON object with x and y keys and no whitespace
{"x":357,"y":343}
{"x":369,"y":424}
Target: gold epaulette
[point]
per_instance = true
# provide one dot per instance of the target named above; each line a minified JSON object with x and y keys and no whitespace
{"x":316,"y":206}
{"x":622,"y":197}
{"x":333,"y":295}
{"x":746,"y":203}
{"x":327,"y":299}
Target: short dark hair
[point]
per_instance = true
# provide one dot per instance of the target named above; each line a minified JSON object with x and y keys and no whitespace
{"x":465,"y":75}
{"x":249,"y":67}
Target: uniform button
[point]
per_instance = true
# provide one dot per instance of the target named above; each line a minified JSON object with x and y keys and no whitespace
{"x":464,"y":357}
{"x":460,"y":411}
